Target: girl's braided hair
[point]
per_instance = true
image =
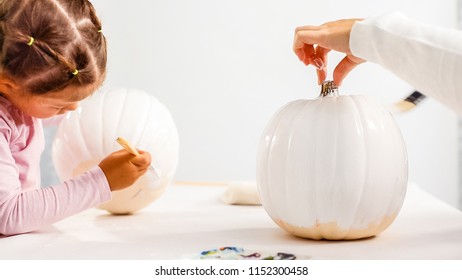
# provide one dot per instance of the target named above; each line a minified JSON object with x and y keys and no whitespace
{"x":47,"y":45}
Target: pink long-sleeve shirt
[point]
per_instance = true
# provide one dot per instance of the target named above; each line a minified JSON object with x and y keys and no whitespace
{"x":24,"y":204}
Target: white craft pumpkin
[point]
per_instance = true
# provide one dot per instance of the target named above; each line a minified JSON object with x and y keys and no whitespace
{"x":332,"y":168}
{"x":89,"y":134}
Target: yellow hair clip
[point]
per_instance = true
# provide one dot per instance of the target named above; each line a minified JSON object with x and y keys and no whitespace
{"x":100,"y":30}
{"x":31,"y":41}
{"x":75,"y":72}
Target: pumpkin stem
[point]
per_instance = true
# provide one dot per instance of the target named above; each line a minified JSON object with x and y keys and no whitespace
{"x":328,"y":88}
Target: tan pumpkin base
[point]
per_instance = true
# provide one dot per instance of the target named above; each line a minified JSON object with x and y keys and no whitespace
{"x":131,"y":199}
{"x":331,"y":231}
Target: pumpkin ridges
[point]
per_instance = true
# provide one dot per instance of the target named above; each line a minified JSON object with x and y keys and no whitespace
{"x":155,"y":133}
{"x":65,"y":155}
{"x":316,"y":145}
{"x":263,"y":179}
{"x":386,"y":124}
{"x":141,"y":127}
{"x":120,"y":119}
{"x":311,"y":207}
{"x":274,"y":140}
{"x":402,"y":191}
{"x":337,"y":104}
{"x":106,"y":139}
{"x":325,"y":184}
{"x":87,"y":133}
{"x":111,"y":117}
{"x":364,"y":110}
{"x":364,"y":136}
{"x":344,"y":117}
{"x":263,"y":165}
{"x":130,"y":131}
{"x":101,"y":121}
{"x":145,"y":131}
{"x":361,"y":106}
{"x":290,"y":179}
{"x":270,"y":131}
{"x":285,"y":184}
{"x":78,"y":138}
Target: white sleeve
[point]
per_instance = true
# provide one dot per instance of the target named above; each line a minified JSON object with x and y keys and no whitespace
{"x":427,"y":57}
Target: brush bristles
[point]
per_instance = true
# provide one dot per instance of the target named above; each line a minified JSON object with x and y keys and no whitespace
{"x":404,"y":106}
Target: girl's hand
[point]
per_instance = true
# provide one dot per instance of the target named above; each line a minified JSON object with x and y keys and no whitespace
{"x":122,"y":169}
{"x":312,"y":43}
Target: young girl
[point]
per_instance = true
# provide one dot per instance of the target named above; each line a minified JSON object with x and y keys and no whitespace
{"x":53,"y":55}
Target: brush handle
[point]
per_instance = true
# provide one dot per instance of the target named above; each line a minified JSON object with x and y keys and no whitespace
{"x":127,"y":146}
{"x":415,"y":97}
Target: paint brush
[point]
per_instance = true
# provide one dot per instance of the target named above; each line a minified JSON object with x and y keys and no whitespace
{"x":409,"y":103}
{"x":129,"y":148}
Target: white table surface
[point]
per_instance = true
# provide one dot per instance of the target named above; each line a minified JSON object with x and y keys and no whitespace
{"x":189,"y":219}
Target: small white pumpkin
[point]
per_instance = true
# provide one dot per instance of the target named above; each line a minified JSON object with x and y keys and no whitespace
{"x":89,"y":134}
{"x":332,"y":168}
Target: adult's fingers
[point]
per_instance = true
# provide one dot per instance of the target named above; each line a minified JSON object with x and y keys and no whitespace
{"x":304,"y":40}
{"x":344,"y":67}
{"x":321,"y":63}
{"x":308,"y":52}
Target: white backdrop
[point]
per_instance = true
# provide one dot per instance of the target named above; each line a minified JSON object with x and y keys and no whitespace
{"x":224,"y":67}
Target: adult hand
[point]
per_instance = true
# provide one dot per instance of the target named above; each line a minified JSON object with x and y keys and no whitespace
{"x":312,"y":44}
